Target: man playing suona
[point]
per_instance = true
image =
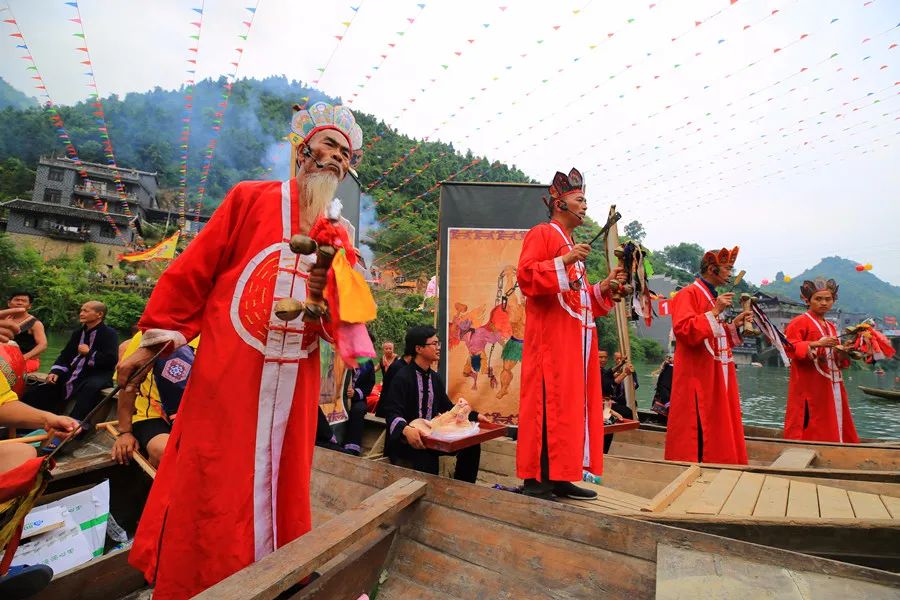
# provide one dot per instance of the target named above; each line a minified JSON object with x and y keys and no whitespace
{"x":817,"y":407}
{"x":234,"y":480}
{"x":561,"y":404}
{"x":705,"y":423}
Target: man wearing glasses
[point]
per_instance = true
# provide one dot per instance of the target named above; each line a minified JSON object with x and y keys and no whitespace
{"x":418,"y":392}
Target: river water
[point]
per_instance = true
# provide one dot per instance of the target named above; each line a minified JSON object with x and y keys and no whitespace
{"x":763,"y":394}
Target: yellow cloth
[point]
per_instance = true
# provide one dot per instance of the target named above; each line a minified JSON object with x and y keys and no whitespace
{"x":6,"y":393}
{"x":355,"y":299}
{"x":146,"y":403}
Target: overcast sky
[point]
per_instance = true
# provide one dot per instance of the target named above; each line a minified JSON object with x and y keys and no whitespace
{"x":713,"y":137}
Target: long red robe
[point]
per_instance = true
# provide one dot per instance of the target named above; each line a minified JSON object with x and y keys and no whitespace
{"x":704,"y":383}
{"x":816,"y":386}
{"x":234,"y":481}
{"x":560,"y":371}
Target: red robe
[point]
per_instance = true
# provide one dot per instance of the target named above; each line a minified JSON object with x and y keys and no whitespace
{"x":560,"y":370}
{"x":817,"y":386}
{"x":704,"y":383}
{"x":234,"y":480}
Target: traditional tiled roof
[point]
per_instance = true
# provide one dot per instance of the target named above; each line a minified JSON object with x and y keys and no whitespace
{"x":46,"y":208}
{"x":106,"y":171}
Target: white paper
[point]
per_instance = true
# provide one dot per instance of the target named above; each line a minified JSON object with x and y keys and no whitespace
{"x":81,"y":538}
{"x":454,"y":434}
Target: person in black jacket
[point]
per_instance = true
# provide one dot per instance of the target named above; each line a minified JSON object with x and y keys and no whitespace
{"x":359,"y":385}
{"x":83,"y":368}
{"x":416,"y":391}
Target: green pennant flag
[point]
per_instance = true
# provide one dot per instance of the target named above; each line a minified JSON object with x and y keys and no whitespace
{"x":81,"y":35}
{"x":195,"y":37}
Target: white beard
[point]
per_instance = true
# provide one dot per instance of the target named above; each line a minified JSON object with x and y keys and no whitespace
{"x":320,"y":190}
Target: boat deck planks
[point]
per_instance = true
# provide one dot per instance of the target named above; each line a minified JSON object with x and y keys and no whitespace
{"x":834,"y":503}
{"x":743,"y":497}
{"x":773,"y":498}
{"x":892,"y":505}
{"x":868,"y":506}
{"x":803,"y":501}
{"x":715,"y":495}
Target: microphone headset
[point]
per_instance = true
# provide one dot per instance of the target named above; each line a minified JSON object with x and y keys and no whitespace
{"x":563,"y":205}
{"x":308,"y":154}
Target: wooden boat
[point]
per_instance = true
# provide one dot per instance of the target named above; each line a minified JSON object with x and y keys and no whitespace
{"x":410,"y":535}
{"x":847,"y":461}
{"x":849,"y":519}
{"x":880,"y":393}
{"x":652,"y":421}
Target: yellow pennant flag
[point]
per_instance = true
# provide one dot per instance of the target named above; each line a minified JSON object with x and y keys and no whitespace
{"x":165,"y":250}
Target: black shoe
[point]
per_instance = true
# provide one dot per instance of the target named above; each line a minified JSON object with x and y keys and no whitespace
{"x":537,"y":489}
{"x":564,"y":489}
{"x":24,"y":581}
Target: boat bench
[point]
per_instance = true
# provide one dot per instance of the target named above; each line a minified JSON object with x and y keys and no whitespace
{"x":292,"y":563}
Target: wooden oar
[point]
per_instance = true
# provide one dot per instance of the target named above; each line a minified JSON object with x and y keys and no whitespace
{"x":27,"y":439}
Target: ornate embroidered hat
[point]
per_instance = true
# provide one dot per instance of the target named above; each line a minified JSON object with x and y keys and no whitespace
{"x":565,"y":184}
{"x":719,"y":258}
{"x":819,"y":284}
{"x":306,"y":122}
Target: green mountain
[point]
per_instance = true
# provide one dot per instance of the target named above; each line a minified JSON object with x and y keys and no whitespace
{"x":859,"y":291}
{"x":10,"y":97}
{"x":145,"y":129}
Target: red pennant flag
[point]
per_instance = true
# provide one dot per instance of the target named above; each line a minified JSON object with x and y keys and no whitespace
{"x":339,"y":37}
{"x":18,"y":35}
{"x":12,"y":21}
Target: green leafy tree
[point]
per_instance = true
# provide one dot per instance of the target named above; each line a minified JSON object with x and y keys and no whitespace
{"x":635,"y":231}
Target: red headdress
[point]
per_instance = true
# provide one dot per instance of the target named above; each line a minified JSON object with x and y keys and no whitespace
{"x":719,"y":258}
{"x":564,"y":185}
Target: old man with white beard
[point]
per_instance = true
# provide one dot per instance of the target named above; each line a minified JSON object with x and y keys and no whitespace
{"x":234,"y":481}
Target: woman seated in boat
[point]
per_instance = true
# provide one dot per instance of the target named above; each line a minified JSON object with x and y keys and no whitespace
{"x":817,"y":407}
{"x":417,"y":392}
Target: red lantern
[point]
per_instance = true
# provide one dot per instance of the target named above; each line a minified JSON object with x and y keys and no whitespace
{"x":860,"y":268}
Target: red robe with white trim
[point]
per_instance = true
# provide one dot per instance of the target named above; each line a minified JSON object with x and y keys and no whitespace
{"x":234,"y":480}
{"x":704,"y":383}
{"x":817,"y":386}
{"x":560,"y":370}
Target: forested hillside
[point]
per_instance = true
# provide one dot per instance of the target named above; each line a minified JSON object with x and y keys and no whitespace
{"x":145,"y":130}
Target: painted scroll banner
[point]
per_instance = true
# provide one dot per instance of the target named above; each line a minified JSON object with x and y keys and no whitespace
{"x":485,"y":320}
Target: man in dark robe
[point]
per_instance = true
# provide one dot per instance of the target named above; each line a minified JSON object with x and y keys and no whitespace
{"x":83,"y":368}
{"x":418,"y":392}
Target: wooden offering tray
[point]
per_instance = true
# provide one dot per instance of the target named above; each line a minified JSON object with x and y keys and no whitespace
{"x":486,"y":431}
{"x":625,"y":425}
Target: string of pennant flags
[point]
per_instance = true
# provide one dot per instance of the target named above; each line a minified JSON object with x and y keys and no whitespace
{"x":188,"y":112}
{"x":440,"y":70}
{"x":219,"y":115}
{"x":705,"y":89}
{"x":520,"y":58}
{"x":383,"y":56}
{"x":628,"y":66}
{"x":767,"y":104}
{"x":340,"y":38}
{"x":59,"y":126}
{"x":100,"y":121}
{"x":392,"y":224}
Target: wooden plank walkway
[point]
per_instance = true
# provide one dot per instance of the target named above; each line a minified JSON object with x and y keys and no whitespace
{"x":717,"y":493}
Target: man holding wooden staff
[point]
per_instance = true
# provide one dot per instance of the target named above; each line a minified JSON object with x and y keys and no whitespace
{"x":233,"y":484}
{"x":705,"y":423}
{"x":561,"y":403}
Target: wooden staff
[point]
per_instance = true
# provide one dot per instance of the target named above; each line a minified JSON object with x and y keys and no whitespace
{"x":622,"y":311}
